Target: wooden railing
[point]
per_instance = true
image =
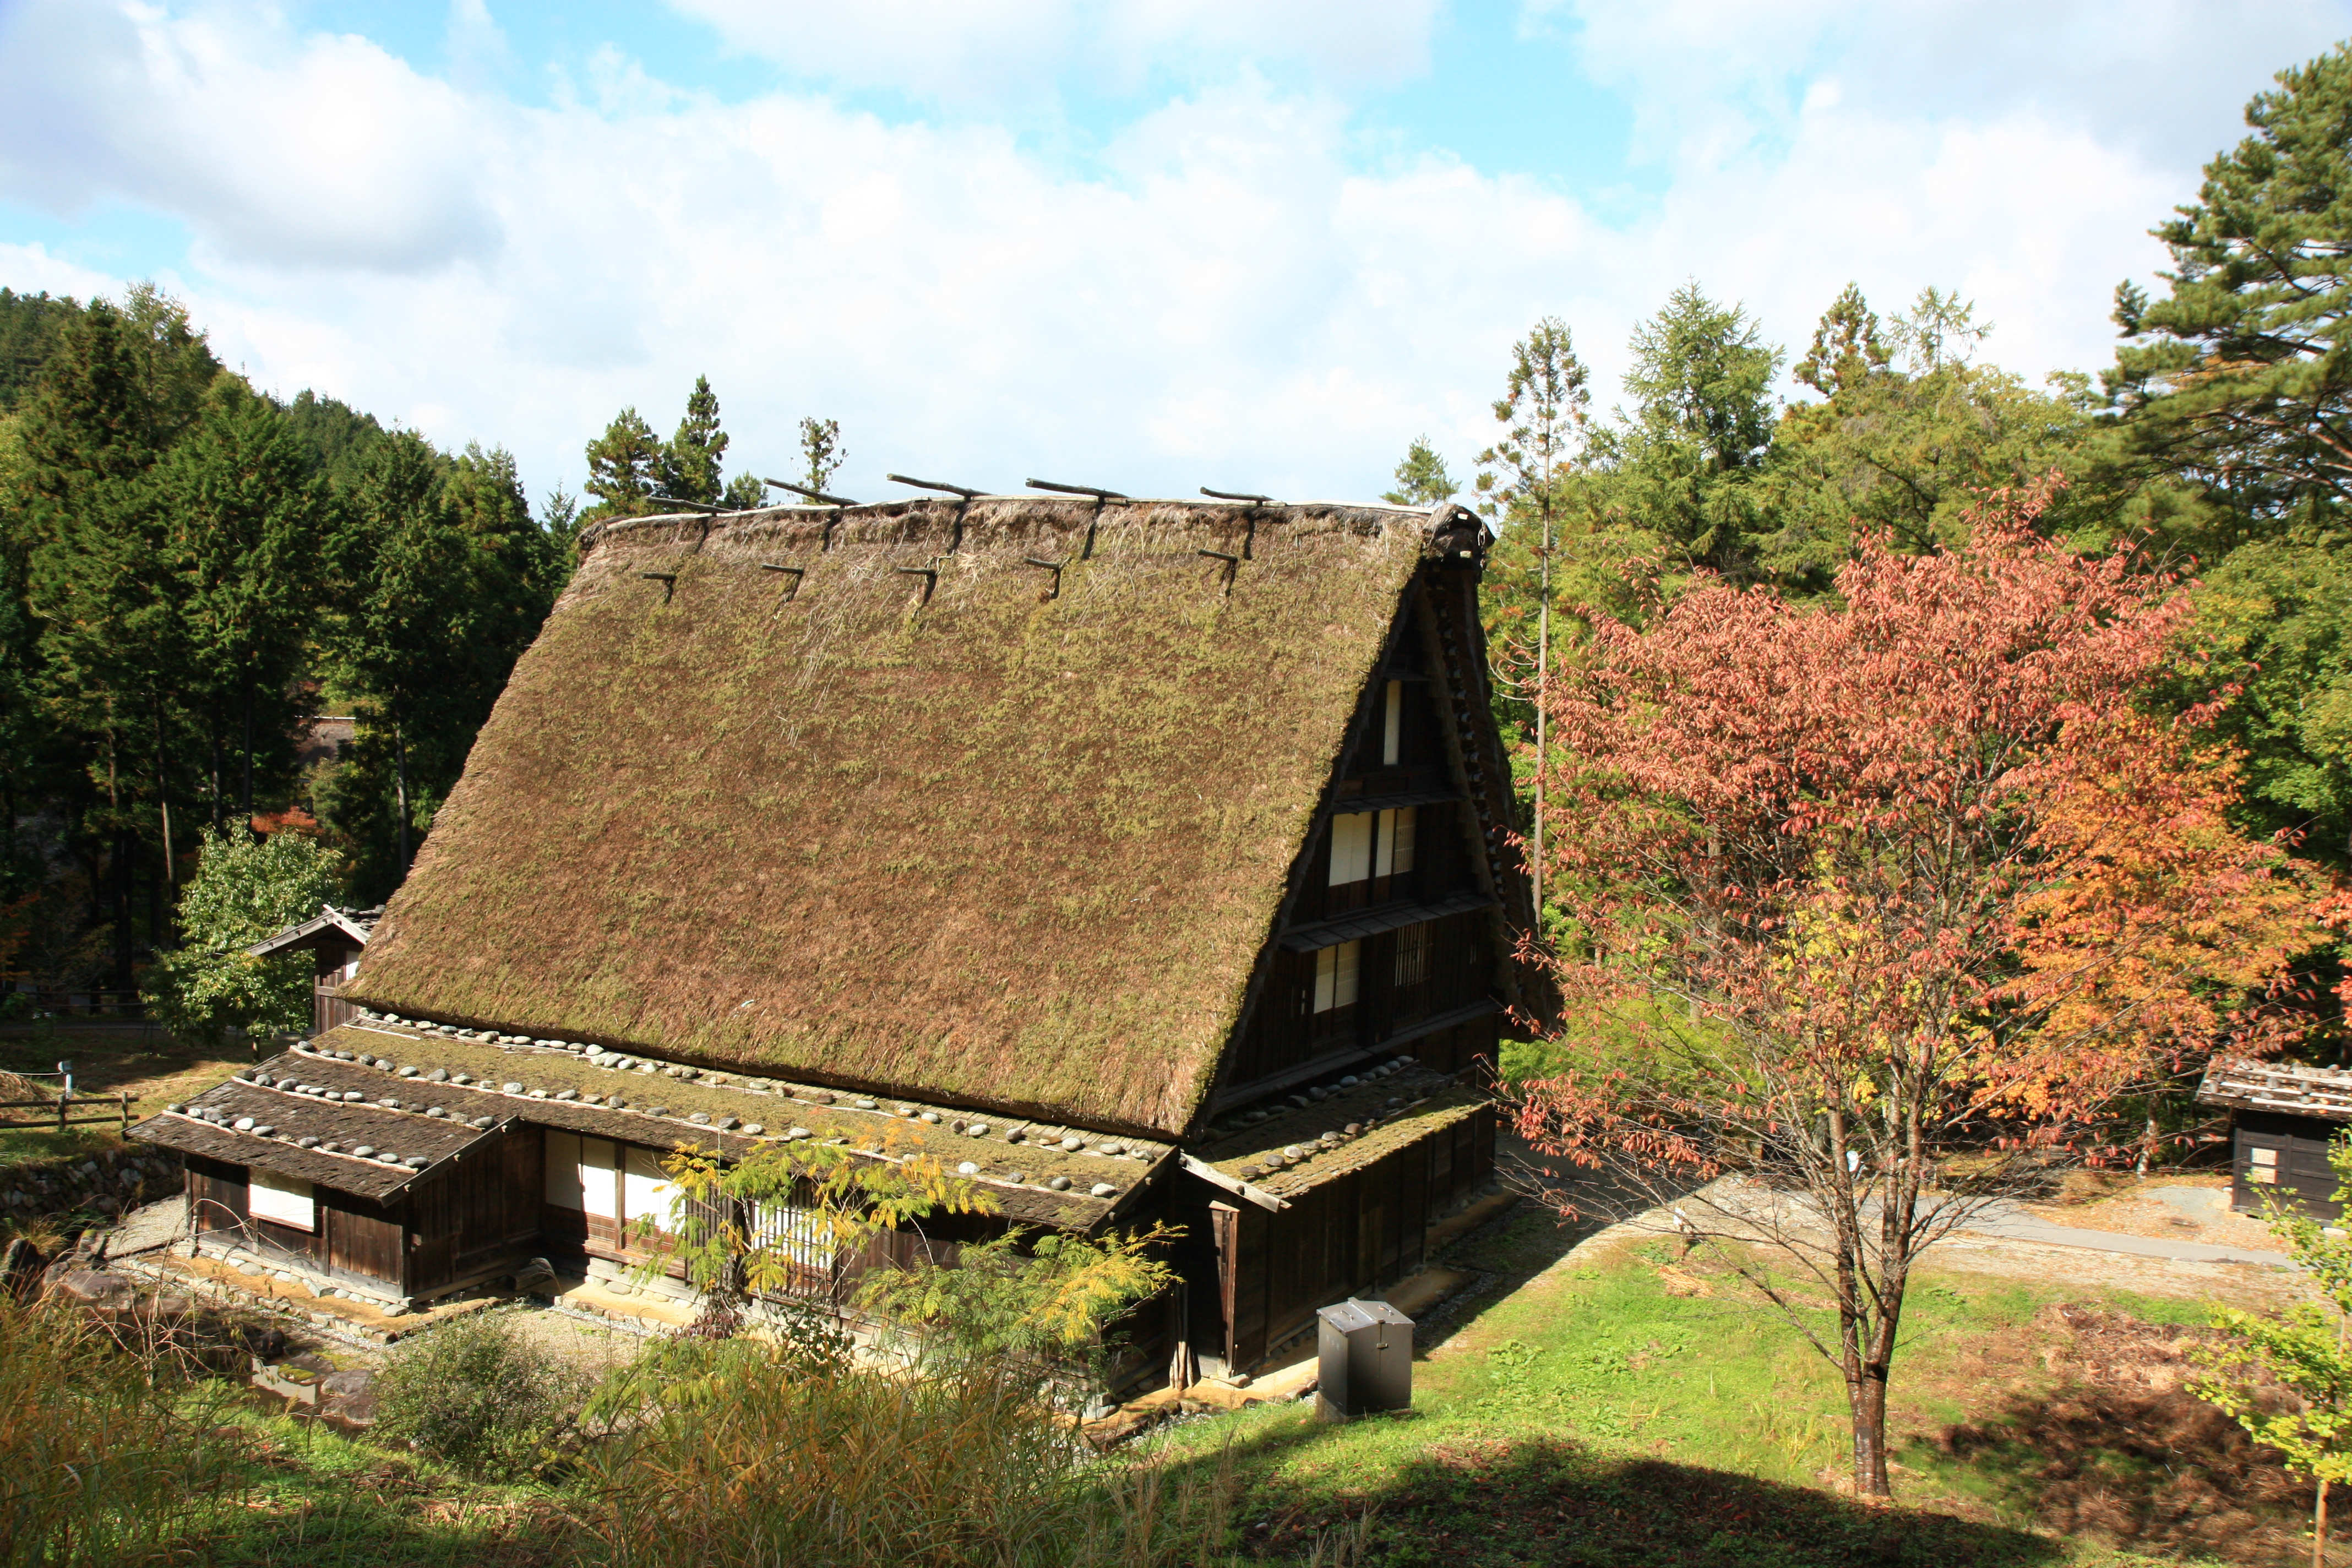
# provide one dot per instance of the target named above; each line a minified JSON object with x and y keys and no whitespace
{"x":62,"y":1110}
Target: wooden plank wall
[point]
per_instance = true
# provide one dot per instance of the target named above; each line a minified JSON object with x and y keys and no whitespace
{"x":1336,"y":1240}
{"x":216,"y":1194}
{"x":2297,"y":1147}
{"x":354,"y":1236}
{"x":477,"y":1213}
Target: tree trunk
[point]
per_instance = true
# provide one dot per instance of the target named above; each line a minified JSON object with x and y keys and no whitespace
{"x":248,"y":747}
{"x":1543,"y":695}
{"x":400,"y":794}
{"x":1867,"y":1397}
{"x":2319,"y":1528}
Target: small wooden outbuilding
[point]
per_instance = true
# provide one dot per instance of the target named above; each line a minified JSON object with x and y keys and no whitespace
{"x":335,"y":939}
{"x":2282,"y":1117}
{"x":1140,"y":859}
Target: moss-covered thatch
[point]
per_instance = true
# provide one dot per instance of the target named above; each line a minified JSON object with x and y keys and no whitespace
{"x":909,"y":813}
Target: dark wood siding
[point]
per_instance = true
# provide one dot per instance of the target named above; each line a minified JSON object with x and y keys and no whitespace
{"x":479,"y":1213}
{"x":357,"y":1236}
{"x":1341,"y":1239}
{"x":2293,"y":1149}
{"x":216,"y":1193}
{"x":1406,"y":978}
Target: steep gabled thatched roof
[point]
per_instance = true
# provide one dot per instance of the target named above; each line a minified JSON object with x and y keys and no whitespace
{"x":874,"y":799}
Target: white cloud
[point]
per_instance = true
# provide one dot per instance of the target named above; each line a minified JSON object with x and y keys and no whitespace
{"x":999,"y":52}
{"x":325,"y":149}
{"x":2155,"y":76}
{"x":1233,"y":299}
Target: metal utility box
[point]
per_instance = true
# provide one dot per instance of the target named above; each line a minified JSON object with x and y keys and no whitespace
{"x":1366,"y":1360}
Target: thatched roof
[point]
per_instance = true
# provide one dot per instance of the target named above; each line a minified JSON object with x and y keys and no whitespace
{"x":871,"y":798}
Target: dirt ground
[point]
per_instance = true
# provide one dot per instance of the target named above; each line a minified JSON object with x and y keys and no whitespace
{"x":2080,"y":1416}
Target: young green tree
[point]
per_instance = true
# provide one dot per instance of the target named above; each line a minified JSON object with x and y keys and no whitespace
{"x":1681,"y":466}
{"x":2304,"y":1350}
{"x":781,"y":1222}
{"x":624,"y":467}
{"x":245,"y":888}
{"x":821,"y":452}
{"x":1420,"y":478}
{"x":1542,"y":409}
{"x":690,"y":467}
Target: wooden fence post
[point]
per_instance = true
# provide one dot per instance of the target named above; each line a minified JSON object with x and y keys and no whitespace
{"x":125,"y":1096}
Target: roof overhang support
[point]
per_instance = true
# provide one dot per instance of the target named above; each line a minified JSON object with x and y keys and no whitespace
{"x":1233,"y":1184}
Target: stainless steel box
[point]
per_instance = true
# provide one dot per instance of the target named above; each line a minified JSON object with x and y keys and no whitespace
{"x":1366,"y":1360}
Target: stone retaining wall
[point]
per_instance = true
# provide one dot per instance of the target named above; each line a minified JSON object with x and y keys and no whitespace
{"x":100,"y":1182}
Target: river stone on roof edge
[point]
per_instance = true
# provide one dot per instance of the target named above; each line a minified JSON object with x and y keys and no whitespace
{"x":974,"y":841}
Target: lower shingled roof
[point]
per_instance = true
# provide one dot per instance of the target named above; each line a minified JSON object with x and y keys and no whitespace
{"x":2288,"y":1087}
{"x":1304,"y":1145}
{"x":291,"y":1117}
{"x":582,"y":1089}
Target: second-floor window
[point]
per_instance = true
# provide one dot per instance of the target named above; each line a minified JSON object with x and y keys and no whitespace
{"x":1337,"y":970}
{"x":1370,"y":844}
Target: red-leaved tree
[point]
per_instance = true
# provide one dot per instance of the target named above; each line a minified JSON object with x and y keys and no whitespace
{"x":1865,"y":912}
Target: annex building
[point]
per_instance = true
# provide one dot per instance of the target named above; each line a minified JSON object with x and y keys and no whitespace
{"x":1137,"y":860}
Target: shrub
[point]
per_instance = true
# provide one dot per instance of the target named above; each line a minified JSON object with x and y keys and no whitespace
{"x":737,"y":1452}
{"x":245,"y":888}
{"x":100,"y":1454}
{"x":476,"y":1395}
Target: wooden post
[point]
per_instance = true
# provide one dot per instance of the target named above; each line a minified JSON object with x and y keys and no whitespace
{"x":63,"y":1100}
{"x":125,"y":1097}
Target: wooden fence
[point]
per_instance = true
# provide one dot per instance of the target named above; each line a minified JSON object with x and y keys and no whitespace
{"x":95,"y":1108}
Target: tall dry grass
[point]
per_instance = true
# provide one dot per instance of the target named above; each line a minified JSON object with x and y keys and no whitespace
{"x":743,"y":1454}
{"x":104,"y":1451}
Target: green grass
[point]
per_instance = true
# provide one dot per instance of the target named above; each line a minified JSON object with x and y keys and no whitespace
{"x":316,"y":1499}
{"x":1603,"y":1415}
{"x":21,"y":1144}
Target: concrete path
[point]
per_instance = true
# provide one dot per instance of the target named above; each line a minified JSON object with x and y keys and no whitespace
{"x":2014,"y":1224}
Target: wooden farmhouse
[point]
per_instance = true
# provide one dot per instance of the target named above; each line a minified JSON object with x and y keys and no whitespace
{"x":2283,"y":1116}
{"x":1140,"y":859}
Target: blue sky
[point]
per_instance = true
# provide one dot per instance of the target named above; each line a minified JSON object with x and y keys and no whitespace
{"x":1144,"y":243}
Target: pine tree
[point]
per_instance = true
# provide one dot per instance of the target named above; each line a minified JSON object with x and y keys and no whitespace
{"x":2240,"y":376}
{"x":1847,"y":346}
{"x":443,"y":580}
{"x":690,"y":463}
{"x":243,"y":524}
{"x":1680,"y":468}
{"x":1422,"y":479}
{"x":625,"y":465}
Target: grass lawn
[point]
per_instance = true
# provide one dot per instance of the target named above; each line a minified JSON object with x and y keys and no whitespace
{"x":315,"y":1499}
{"x":1643,"y":1410}
{"x":149,"y":1064}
